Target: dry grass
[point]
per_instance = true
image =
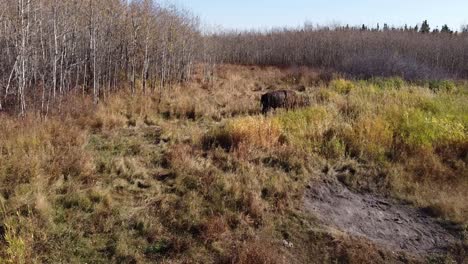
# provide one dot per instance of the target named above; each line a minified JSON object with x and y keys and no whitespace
{"x":198,"y":175}
{"x":242,"y":135}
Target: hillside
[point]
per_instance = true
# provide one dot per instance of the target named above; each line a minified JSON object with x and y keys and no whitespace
{"x":195,"y":173}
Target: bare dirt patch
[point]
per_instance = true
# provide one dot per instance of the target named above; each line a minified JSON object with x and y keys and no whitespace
{"x":385,"y":222}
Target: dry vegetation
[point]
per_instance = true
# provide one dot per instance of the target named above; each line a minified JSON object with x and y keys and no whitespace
{"x":198,"y":175}
{"x":122,"y":141}
{"x":362,"y":52}
{"x":53,"y":49}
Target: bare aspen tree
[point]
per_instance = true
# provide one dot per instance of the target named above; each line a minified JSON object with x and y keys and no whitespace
{"x":50,"y":47}
{"x":24,"y":14}
{"x":353,"y":50}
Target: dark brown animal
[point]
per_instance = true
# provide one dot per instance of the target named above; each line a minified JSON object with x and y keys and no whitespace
{"x":282,"y":99}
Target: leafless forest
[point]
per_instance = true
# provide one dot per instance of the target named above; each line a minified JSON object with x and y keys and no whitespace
{"x":356,"y":51}
{"x":50,"y":48}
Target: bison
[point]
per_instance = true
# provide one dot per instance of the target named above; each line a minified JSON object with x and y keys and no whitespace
{"x":282,"y":99}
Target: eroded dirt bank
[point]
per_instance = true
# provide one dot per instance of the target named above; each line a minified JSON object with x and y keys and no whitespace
{"x":384,"y":222}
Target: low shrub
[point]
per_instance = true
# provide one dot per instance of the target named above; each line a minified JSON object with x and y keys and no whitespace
{"x":323,"y":95}
{"x":370,"y":137}
{"x":305,"y":127}
{"x":442,"y":85}
{"x":388,"y":83}
{"x":421,"y":129}
{"x":342,"y":86}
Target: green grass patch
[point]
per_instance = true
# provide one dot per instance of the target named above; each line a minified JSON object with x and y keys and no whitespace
{"x":423,"y":129}
{"x":388,"y":83}
{"x":342,"y":86}
{"x":306,"y":127}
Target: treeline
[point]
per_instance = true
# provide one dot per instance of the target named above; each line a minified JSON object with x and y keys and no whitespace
{"x":49,"y":48}
{"x":423,"y":28}
{"x":409,"y":52}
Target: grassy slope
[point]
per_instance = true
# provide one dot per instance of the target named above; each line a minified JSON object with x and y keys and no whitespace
{"x":201,"y":177}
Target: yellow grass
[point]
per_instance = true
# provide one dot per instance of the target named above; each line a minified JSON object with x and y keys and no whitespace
{"x":200,"y":175}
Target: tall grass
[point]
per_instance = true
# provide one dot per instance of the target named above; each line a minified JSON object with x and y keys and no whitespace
{"x":386,"y":122}
{"x":199,"y":175}
{"x":256,"y":132}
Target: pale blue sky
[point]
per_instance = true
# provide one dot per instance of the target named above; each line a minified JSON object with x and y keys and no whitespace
{"x":263,"y":14}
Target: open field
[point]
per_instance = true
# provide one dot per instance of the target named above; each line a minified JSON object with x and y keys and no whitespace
{"x":197,"y":175}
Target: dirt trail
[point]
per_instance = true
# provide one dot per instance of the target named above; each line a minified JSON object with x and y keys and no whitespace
{"x":385,"y":222}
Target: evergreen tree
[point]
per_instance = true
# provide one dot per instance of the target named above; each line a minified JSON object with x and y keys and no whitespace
{"x":446,"y":29}
{"x":425,"y":28}
{"x":385,"y":27}
{"x":464,"y":29}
